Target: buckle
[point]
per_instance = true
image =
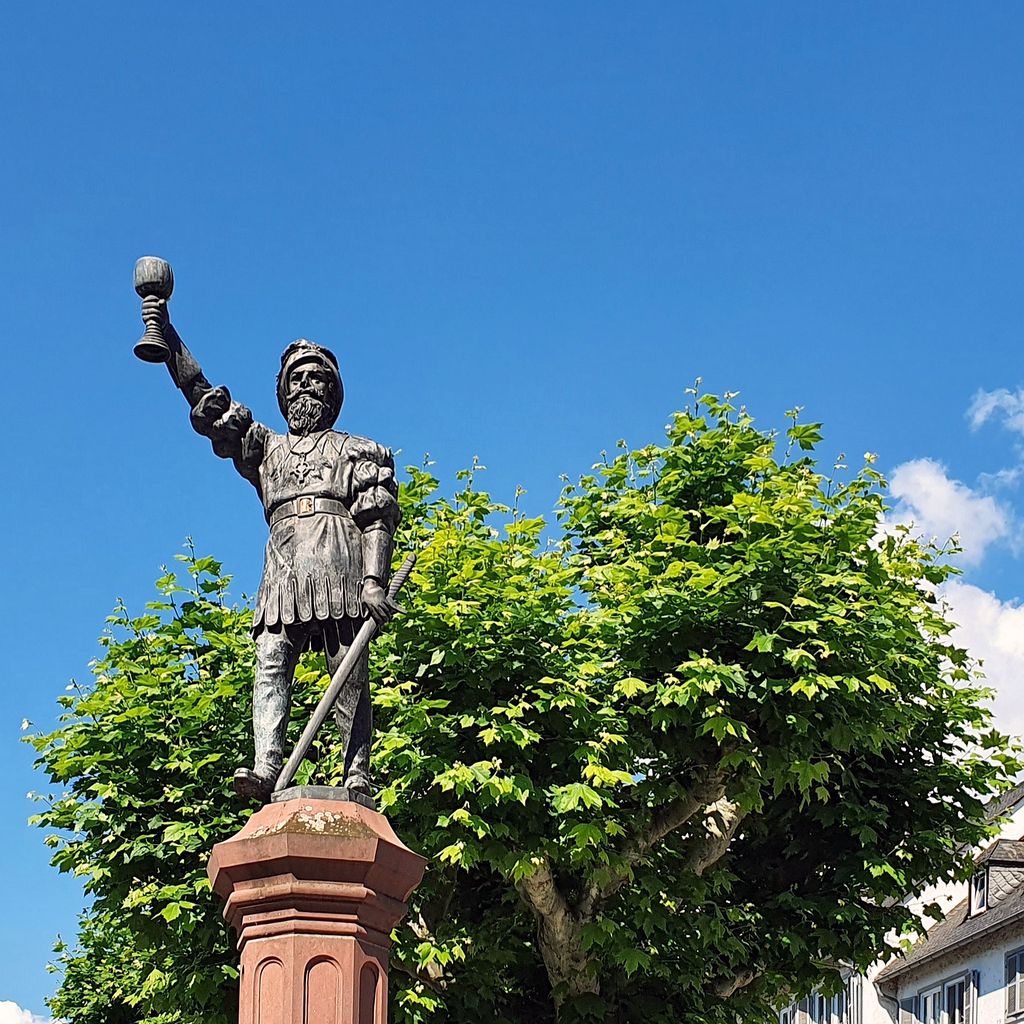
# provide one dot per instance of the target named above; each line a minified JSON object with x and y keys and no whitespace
{"x":305,"y":505}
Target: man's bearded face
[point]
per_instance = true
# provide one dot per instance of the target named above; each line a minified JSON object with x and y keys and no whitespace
{"x":309,"y":399}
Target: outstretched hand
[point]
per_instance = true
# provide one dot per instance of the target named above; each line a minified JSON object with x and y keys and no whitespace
{"x":381,"y":608}
{"x":224,"y":422}
{"x":213,"y":405}
{"x":207,"y":412}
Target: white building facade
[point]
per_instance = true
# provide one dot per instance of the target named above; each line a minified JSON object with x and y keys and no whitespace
{"x":967,"y":969}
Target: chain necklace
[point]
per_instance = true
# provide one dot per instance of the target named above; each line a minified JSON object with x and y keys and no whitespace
{"x":304,"y":470}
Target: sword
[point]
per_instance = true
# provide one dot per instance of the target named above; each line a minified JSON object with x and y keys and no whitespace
{"x":344,"y":670}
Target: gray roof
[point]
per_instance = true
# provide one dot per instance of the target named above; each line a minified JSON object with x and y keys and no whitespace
{"x":959,"y":928}
{"x":1002,"y":804}
{"x":1002,"y":851}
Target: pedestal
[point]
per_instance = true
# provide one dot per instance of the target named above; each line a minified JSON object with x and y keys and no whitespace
{"x":313,"y":887}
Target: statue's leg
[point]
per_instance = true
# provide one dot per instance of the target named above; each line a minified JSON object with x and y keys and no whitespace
{"x":276,"y":655}
{"x":352,"y":712}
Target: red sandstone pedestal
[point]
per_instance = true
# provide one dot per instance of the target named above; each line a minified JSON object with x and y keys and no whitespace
{"x":313,"y":889}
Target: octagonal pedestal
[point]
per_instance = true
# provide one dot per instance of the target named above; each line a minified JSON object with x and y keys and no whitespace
{"x":313,"y":888}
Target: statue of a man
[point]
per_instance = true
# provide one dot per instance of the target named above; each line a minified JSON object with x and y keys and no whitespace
{"x":331,"y":501}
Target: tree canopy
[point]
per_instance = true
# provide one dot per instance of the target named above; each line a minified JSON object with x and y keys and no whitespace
{"x":673,"y":754}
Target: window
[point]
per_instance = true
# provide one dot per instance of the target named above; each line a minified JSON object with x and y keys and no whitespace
{"x":931,"y":1006}
{"x":839,"y":1008}
{"x":810,"y":1010}
{"x":842,"y":1008}
{"x":954,"y":993}
{"x":817,"y":1008}
{"x":1015,"y":983}
{"x":949,"y":1002}
{"x":979,"y":891}
{"x":845,"y":1007}
{"x":908,"y":1010}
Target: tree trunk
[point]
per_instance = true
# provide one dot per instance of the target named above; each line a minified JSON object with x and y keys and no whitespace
{"x":571,"y":970}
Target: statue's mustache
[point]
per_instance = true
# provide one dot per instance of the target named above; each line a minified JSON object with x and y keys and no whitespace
{"x":305,"y":404}
{"x":306,"y":412}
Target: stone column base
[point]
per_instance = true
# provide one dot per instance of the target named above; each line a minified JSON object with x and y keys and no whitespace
{"x":313,"y":888}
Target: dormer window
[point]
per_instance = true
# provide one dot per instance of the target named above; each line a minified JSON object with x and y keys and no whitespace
{"x":979,"y":891}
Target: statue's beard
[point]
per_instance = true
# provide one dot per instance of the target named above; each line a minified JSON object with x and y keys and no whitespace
{"x":307,"y":414}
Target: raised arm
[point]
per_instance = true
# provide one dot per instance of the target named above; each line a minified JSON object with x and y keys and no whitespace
{"x":214,"y":414}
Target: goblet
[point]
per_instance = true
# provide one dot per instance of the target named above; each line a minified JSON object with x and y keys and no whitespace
{"x":154,"y":280}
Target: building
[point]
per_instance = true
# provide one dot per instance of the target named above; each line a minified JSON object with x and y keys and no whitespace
{"x":968,"y":968}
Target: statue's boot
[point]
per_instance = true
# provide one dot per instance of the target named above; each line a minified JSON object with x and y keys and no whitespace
{"x":252,"y":785}
{"x":359,"y":784}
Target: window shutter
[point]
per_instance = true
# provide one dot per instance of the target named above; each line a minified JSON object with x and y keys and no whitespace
{"x":1011,"y":985}
{"x":907,"y":1010}
{"x":970,"y":996}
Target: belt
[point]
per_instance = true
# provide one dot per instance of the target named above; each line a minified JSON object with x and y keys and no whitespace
{"x":306,"y":505}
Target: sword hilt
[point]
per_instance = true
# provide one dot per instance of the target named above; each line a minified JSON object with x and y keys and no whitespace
{"x":398,"y":580}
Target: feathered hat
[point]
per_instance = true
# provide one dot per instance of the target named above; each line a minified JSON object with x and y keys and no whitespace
{"x":303,"y":351}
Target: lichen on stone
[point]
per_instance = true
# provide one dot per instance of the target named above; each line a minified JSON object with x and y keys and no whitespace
{"x":308,"y":821}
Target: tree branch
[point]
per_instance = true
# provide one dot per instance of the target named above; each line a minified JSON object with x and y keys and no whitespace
{"x":725,"y":987}
{"x":433,"y":912}
{"x":723,"y":817}
{"x":437,"y":986}
{"x":668,"y":818}
{"x":542,"y":895}
{"x":424,"y":926}
{"x":559,"y":933}
{"x":435,"y":976}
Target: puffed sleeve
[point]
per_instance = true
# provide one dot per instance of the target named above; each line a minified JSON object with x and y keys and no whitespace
{"x":374,"y":488}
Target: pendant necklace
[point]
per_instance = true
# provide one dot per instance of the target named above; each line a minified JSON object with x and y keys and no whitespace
{"x":304,"y":470}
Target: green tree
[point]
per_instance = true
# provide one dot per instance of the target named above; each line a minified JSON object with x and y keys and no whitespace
{"x":678,"y":755}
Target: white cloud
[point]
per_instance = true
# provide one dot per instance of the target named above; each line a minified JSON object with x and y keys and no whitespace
{"x":934,"y":504}
{"x":1002,"y":478}
{"x":1009,"y":405}
{"x":993,"y":631}
{"x":12,"y":1013}
{"x":937,"y":506}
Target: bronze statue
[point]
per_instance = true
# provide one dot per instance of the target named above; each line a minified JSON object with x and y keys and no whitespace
{"x":331,"y":502}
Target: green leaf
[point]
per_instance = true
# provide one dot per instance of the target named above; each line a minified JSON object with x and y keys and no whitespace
{"x":574,"y":795}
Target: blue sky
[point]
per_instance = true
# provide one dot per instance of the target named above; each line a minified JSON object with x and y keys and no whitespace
{"x":524,"y":229}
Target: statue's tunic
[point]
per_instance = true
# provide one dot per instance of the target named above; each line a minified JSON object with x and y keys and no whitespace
{"x":321,"y":494}
{"x":331,"y":500}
